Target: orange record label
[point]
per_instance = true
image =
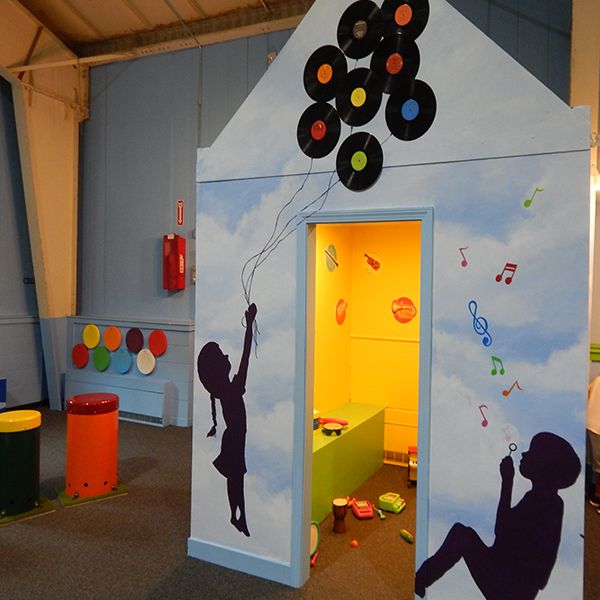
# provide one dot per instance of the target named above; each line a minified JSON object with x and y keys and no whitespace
{"x":403,"y":15}
{"x":324,"y":73}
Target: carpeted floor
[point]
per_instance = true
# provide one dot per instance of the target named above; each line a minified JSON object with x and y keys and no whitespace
{"x":134,"y":546}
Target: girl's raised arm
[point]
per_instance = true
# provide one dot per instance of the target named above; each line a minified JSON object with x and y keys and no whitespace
{"x":243,"y":370}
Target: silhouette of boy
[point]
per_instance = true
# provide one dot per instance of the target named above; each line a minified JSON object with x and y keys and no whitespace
{"x":213,"y":372}
{"x":518,"y":564}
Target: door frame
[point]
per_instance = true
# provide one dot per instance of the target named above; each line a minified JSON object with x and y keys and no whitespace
{"x":303,"y":417}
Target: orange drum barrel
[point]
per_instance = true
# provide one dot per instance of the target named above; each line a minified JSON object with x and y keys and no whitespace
{"x":92,"y":444}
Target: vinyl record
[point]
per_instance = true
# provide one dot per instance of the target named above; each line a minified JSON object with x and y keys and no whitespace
{"x":323,"y":72}
{"x":405,"y":16}
{"x":318,"y":130}
{"x":359,"y":96}
{"x":410,"y":110}
{"x":359,"y":161}
{"x":395,"y":60}
{"x":360,"y":29}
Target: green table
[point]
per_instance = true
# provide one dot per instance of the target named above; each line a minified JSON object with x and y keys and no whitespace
{"x":342,"y":463}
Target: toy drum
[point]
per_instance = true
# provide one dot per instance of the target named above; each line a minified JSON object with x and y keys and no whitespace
{"x":92,"y":442}
{"x":19,"y":461}
{"x":340,"y":507}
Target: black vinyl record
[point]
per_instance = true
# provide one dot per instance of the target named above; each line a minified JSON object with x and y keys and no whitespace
{"x":410,"y":110}
{"x":359,"y":161}
{"x":360,"y":29}
{"x":359,"y":96}
{"x":405,"y":16}
{"x":325,"y":68}
{"x":318,"y":130}
{"x":395,"y":60}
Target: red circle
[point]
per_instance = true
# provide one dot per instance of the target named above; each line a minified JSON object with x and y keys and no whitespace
{"x":318,"y":130}
{"x":97,"y":403}
{"x":403,"y":15}
{"x":80,"y":355}
{"x":157,"y":342}
{"x":394,"y":63}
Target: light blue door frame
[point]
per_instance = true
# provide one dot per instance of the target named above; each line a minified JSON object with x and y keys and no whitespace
{"x":303,"y":416}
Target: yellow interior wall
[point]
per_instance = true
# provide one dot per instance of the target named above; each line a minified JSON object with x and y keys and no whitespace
{"x":371,"y":358}
{"x":332,"y":341}
{"x":384,"y":353}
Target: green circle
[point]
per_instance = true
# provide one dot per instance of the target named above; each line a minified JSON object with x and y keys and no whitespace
{"x":358,"y":160}
{"x":101,"y":358}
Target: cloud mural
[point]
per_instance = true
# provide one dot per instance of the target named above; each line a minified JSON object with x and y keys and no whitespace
{"x":486,"y":154}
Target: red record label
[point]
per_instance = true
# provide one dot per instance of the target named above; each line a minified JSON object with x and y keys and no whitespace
{"x":318,"y":130}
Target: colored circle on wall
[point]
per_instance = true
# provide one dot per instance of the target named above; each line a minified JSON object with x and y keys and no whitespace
{"x":80,"y":355}
{"x":91,"y":336}
{"x":340,"y":311}
{"x":145,"y":361}
{"x":331,"y":260}
{"x":157,"y":342}
{"x":112,"y":338}
{"x":122,"y":360}
{"x":134,"y":340}
{"x":403,"y":310}
{"x":101,"y":358}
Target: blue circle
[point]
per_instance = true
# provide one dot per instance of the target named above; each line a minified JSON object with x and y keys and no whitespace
{"x":122,"y":360}
{"x":410,"y":110}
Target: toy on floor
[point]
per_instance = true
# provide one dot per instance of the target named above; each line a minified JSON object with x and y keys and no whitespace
{"x":340,"y":507}
{"x":407,"y":536}
{"x":380,"y":513}
{"x":392,"y":502}
{"x":315,"y":538}
{"x":354,"y":543}
{"x":362,"y":509}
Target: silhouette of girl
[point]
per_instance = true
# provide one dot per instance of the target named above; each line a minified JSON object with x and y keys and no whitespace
{"x":518,"y":564}
{"x":213,"y":372}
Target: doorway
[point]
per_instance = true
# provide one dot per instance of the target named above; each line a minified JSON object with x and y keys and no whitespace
{"x":368,"y":354}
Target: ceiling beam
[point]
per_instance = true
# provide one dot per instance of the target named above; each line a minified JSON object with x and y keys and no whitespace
{"x":251,"y":21}
{"x":82,"y":18}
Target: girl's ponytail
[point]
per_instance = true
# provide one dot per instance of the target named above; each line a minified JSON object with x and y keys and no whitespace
{"x":213,"y":410}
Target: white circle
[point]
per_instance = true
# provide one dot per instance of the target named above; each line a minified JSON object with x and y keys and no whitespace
{"x":145,"y":361}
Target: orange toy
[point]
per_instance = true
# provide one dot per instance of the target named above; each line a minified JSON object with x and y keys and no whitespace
{"x":92,"y":442}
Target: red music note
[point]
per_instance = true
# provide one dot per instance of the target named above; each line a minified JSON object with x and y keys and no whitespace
{"x":484,"y":423}
{"x":463,"y":262}
{"x":374,"y":264}
{"x":508,"y":391}
{"x":509,"y":268}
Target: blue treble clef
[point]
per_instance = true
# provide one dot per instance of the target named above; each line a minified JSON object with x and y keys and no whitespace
{"x":480,"y":324}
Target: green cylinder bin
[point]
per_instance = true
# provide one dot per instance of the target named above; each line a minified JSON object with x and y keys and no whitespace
{"x":19,"y":461}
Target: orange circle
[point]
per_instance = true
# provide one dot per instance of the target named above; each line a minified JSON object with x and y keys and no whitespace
{"x":324,"y":73}
{"x":394,"y":63}
{"x":112,"y":338}
{"x":403,"y":15}
{"x":340,"y":311}
{"x":318,"y":130}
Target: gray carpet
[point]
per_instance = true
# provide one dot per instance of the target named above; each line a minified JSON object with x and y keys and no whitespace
{"x":134,"y":546}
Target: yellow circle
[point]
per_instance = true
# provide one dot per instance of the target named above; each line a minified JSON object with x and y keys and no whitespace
{"x":358,"y":97}
{"x":91,"y":336}
{"x":19,"y":420}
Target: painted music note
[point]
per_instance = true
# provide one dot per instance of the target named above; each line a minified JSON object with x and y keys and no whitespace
{"x":528,"y":202}
{"x":463,"y":262}
{"x":484,"y":423}
{"x":480,"y":324}
{"x":495,"y":363}
{"x":508,"y":391}
{"x":510,"y":269}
